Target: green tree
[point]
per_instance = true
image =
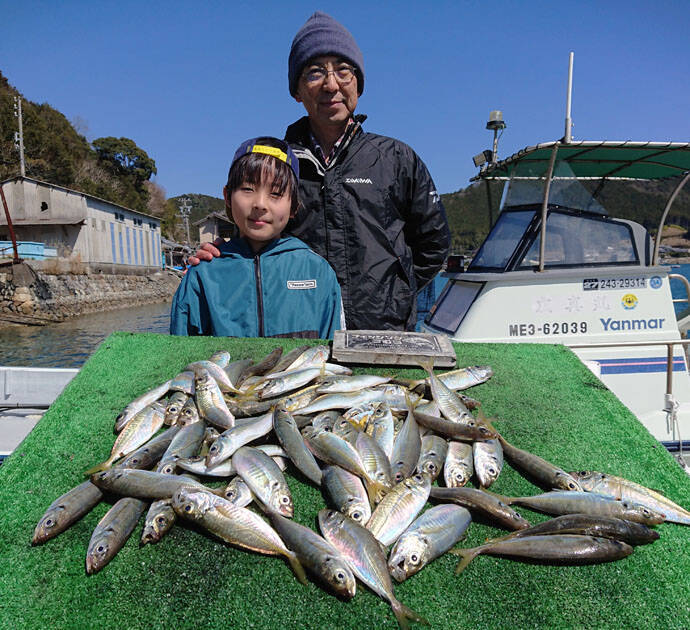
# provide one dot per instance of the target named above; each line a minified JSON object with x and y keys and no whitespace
{"x":125,"y":157}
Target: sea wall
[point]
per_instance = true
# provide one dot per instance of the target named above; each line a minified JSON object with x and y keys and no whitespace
{"x":32,"y":296}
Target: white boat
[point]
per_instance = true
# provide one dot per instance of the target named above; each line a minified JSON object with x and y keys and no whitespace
{"x":25,"y":394}
{"x":555,"y":268}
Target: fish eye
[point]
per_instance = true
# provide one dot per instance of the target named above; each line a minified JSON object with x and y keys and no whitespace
{"x":285,"y":499}
{"x":571,"y":485}
{"x":414,"y":558}
{"x":188,"y":508}
{"x":160,"y":520}
{"x":49,"y":522}
{"x":492,"y":471}
{"x":340,"y":576}
{"x":100,"y":549}
{"x":356,"y":516}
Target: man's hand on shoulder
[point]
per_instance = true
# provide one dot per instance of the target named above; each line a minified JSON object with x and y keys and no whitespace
{"x":207,"y":251}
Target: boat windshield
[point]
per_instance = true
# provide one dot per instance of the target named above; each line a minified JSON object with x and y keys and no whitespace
{"x":581,"y":240}
{"x":526,"y":187}
{"x":504,"y":238}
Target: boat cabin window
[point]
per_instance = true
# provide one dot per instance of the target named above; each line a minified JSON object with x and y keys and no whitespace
{"x":452,"y":305}
{"x":574,"y":239}
{"x":505,"y":236}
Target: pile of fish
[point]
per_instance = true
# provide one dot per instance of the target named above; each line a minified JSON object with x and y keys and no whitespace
{"x":376,"y":447}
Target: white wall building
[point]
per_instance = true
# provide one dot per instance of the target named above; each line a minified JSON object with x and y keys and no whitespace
{"x":99,"y":233}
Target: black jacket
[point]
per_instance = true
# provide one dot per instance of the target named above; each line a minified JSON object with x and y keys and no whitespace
{"x":375,"y":215}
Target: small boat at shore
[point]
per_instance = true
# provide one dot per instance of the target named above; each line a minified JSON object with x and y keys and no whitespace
{"x":25,"y":395}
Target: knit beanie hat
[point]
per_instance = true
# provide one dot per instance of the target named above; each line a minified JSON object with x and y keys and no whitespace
{"x":322,"y":35}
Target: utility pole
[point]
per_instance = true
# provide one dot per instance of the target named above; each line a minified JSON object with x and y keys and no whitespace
{"x":185,"y":209}
{"x":19,"y":136}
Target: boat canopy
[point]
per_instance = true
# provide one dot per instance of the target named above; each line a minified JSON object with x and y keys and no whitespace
{"x":613,"y":160}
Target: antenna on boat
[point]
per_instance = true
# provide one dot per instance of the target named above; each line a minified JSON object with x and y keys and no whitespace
{"x":567,"y":139}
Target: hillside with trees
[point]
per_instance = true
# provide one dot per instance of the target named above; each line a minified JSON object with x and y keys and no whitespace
{"x":115,"y":169}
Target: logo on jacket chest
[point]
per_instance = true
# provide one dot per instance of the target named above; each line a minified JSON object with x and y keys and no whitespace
{"x":358,"y":180}
{"x":301,"y":284}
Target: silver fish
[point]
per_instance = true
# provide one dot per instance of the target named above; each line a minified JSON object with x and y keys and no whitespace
{"x":174,"y":407}
{"x":159,"y":520}
{"x":264,"y":478}
{"x":380,"y":426}
{"x":428,"y":537}
{"x":140,"y":403}
{"x":220,"y":358}
{"x":399,"y":508}
{"x":459,"y":465}
{"x":142,"y":484}
{"x":217,"y":372}
{"x":112,"y":533}
{"x":183,"y":382}
{"x":235,"y":525}
{"x":189,"y":414}
{"x":432,"y":455}
{"x":341,"y":384}
{"x":317,"y":555}
{"x":347,"y":493}
{"x":289,"y":382}
{"x":184,"y":444}
{"x":363,"y":552}
{"x":626,"y":490}
{"x":488,"y":461}
{"x":238,"y":493}
{"x":292,"y":441}
{"x":210,"y":401}
{"x":406,"y":449}
{"x":232,"y":439}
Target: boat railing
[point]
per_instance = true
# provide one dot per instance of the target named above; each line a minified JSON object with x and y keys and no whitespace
{"x":671,"y":404}
{"x":677,"y":276}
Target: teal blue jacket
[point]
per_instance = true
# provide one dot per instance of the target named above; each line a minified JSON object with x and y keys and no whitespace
{"x":285,"y":290}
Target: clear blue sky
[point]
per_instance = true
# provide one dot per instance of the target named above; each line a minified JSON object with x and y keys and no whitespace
{"x":188,"y":81}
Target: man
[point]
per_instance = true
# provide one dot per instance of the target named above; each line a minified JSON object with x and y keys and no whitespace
{"x":370,"y":206}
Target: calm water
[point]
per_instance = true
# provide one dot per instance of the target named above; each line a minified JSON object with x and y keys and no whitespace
{"x":678,"y":288}
{"x":68,"y":344}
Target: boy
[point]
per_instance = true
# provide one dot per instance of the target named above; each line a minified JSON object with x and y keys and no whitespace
{"x":265,"y":285}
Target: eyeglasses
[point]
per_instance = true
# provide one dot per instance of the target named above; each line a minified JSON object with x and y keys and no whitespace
{"x":318,"y":74}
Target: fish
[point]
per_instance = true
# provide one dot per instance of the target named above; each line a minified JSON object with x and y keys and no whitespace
{"x":488,"y":461}
{"x":459,"y":465}
{"x":236,"y":369}
{"x":183,"y":382}
{"x":483,"y":503}
{"x":316,"y":554}
{"x":449,"y":403}
{"x":570,"y":549}
{"x":136,"y":432}
{"x":289,"y":357}
{"x":537,"y":470}
{"x":217,"y":373}
{"x":112,"y":533}
{"x":288,"y":382}
{"x":342,"y":384}
{"x":588,"y":525}
{"x":146,"y":399}
{"x":210,"y":401}
{"x":336,"y":451}
{"x":467,"y":428}
{"x":150,"y":453}
{"x":142,"y":484}
{"x":399,"y":508}
{"x":221,"y":358}
{"x":343,"y":428}
{"x":238,"y":492}
{"x":66,"y":510}
{"x":381,"y":427}
{"x":235,"y":525}
{"x":626,"y":490}
{"x":460,"y":379}
{"x":325,"y":419}
{"x":373,"y":458}
{"x":261,"y":367}
{"x":189,"y":414}
{"x":364,"y":554}
{"x":312,"y":356}
{"x":264,"y":478}
{"x":406,"y":449}
{"x":570,"y":502}
{"x":292,"y":442}
{"x":174,"y":407}
{"x":347,"y":493}
{"x":393,"y":395}
{"x":427,"y":538}
{"x":229,"y":441}
{"x":184,"y":444}
{"x":432,"y":455}
{"x":159,"y":520}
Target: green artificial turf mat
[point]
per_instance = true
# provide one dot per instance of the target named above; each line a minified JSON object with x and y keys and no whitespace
{"x":543,"y":399}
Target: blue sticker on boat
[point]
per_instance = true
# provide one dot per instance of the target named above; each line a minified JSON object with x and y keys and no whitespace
{"x":655,"y":282}
{"x":639,"y":365}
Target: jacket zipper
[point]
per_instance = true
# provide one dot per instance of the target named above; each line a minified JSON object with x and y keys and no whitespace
{"x":259,"y":292}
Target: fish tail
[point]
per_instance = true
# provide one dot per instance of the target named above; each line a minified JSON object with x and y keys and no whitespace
{"x":427,"y":364}
{"x":403,"y":613}
{"x":466,"y":556}
{"x":99,"y":467}
{"x":297,"y":567}
{"x":374,"y":490}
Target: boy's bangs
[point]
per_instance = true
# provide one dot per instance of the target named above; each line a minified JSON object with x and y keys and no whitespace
{"x":255,"y":168}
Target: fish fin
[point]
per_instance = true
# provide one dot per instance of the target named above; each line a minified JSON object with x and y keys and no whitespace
{"x":403,"y":613}
{"x":374,"y":488}
{"x":297,"y":568}
{"x":427,"y":364}
{"x":466,"y":556}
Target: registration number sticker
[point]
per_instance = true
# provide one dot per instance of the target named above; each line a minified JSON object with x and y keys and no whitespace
{"x":609,"y":284}
{"x":547,"y":328}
